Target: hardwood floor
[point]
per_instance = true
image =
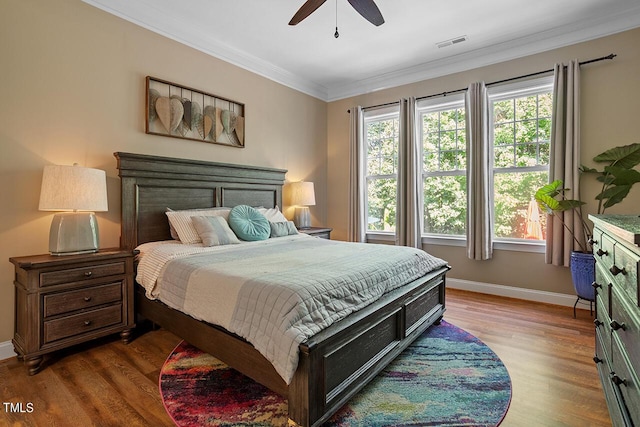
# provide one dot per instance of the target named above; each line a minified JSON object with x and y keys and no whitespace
{"x":106,"y":383}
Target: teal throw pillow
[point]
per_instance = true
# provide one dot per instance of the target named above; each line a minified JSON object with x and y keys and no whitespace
{"x":249,"y":224}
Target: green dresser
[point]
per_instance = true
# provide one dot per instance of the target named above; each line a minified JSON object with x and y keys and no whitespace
{"x":616,"y":240}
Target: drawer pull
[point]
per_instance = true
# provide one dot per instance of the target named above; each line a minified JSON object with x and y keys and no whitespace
{"x":615,"y":325}
{"x":597,"y":359}
{"x":597,"y":323}
{"x":88,"y":274}
{"x":593,"y":241}
{"x":600,"y":252}
{"x":617,"y":380}
{"x":615,"y":270}
{"x":596,"y":285}
{"x":87,"y":299}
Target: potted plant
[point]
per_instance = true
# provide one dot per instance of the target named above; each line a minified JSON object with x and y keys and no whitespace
{"x":617,"y":176}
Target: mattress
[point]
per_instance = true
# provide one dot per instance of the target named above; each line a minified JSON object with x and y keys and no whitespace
{"x":278,"y":292}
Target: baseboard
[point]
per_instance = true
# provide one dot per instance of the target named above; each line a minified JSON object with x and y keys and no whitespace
{"x":6,"y":350}
{"x":512,"y":292}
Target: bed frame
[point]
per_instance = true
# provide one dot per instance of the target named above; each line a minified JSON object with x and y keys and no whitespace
{"x":334,"y":364}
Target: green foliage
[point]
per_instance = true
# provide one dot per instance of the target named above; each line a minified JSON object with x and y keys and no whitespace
{"x":617,"y":178}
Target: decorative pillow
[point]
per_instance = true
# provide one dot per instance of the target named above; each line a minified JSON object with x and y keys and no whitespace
{"x":214,"y":230}
{"x":273,"y":214}
{"x":180,"y":221}
{"x":281,"y":229}
{"x":249,"y":224}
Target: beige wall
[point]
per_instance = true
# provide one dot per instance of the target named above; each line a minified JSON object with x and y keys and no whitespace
{"x":610,"y":109}
{"x":72,"y":85}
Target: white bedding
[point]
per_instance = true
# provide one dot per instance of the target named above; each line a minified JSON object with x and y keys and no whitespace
{"x":278,"y":292}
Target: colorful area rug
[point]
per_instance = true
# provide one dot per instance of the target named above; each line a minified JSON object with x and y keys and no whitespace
{"x":446,"y":377}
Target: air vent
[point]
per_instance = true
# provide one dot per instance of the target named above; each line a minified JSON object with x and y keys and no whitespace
{"x":452,"y":41}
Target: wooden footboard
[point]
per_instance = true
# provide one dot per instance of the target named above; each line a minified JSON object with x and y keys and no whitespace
{"x":339,"y":361}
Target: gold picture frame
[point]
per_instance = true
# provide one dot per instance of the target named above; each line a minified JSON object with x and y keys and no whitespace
{"x":187,"y":113}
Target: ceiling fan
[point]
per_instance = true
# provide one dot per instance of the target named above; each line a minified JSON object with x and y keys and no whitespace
{"x":366,"y":8}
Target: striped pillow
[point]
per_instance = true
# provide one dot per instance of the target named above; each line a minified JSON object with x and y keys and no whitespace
{"x":180,"y":221}
{"x":214,"y":230}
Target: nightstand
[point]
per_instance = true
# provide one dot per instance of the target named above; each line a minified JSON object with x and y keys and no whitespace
{"x":322,"y":232}
{"x":61,"y":301}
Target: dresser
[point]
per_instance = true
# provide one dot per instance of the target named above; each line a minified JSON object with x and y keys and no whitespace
{"x":616,"y":240}
{"x":65,"y":300}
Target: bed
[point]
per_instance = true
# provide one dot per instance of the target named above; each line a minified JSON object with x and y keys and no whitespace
{"x":333,"y":364}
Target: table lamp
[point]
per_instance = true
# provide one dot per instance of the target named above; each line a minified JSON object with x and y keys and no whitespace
{"x":302,"y":196}
{"x":78,"y":192}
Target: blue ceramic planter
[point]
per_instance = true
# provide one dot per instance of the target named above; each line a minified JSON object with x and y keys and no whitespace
{"x":583,"y":274}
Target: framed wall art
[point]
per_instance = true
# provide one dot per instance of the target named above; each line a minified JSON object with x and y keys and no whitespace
{"x":183,"y":112}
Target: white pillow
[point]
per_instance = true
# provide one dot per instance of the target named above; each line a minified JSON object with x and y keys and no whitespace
{"x":183,"y":226}
{"x":214,"y":230}
{"x":273,"y":214}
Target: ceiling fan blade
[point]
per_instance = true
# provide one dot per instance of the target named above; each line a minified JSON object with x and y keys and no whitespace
{"x":307,"y":9}
{"x":369,"y":11}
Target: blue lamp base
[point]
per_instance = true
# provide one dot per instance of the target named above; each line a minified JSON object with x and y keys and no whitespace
{"x":73,"y":233}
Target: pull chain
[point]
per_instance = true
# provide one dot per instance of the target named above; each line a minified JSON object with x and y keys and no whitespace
{"x":337,"y":34}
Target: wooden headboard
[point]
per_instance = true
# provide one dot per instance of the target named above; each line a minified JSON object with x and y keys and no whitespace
{"x":151,"y":184}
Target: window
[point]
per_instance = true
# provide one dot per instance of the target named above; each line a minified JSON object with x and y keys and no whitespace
{"x":381,"y":140}
{"x":521,"y":132}
{"x":444,"y":161}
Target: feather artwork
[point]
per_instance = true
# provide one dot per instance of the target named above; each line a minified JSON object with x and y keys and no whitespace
{"x":228,"y":119}
{"x":197,"y":119}
{"x":210,"y":121}
{"x":240,"y":130}
{"x":153,"y":97}
{"x":186,"y":118}
{"x":169,"y":112}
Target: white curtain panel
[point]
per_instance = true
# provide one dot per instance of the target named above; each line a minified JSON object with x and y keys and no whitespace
{"x":564,"y":162}
{"x":479,"y":175}
{"x":356,"y":226}
{"x":409,"y":212}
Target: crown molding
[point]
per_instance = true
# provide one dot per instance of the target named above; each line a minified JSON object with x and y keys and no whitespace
{"x":197,"y":38}
{"x":500,"y":52}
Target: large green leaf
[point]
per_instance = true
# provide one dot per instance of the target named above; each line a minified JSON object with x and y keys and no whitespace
{"x":546,"y":198}
{"x":626,"y":156}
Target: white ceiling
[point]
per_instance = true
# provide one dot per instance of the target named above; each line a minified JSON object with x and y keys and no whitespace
{"x":255,"y":35}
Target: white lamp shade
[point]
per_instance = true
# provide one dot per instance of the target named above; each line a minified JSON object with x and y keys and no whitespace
{"x":73,"y":188}
{"x":78,"y":192}
{"x":302,"y":194}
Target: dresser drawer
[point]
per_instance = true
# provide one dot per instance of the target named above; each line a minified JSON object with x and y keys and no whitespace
{"x":627,"y":382}
{"x":625,"y":272}
{"x":603,"y":249}
{"x":80,"y":323}
{"x":603,"y":287}
{"x":603,"y":332}
{"x":84,"y":273}
{"x":64,"y":302}
{"x":626,"y":326}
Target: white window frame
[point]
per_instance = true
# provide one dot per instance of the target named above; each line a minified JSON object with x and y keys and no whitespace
{"x":369,"y":116}
{"x":501,"y":93}
{"x":432,"y":105}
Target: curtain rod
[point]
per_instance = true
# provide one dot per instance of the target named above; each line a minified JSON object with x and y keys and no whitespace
{"x":449,"y":92}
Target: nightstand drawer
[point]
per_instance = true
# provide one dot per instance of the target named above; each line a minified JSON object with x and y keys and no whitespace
{"x":65,"y":302}
{"x":81,"y":323}
{"x":84,"y":273}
